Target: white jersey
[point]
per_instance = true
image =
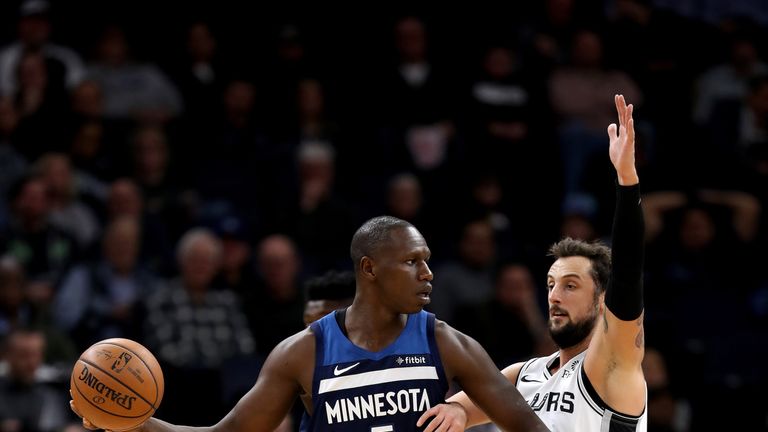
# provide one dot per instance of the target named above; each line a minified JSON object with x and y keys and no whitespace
{"x":567,"y":401}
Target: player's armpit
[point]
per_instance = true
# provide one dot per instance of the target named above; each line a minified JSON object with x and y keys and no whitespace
{"x":622,"y":342}
{"x":613,"y":363}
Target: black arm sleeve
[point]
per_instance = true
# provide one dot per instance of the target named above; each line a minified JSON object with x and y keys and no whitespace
{"x":624,"y":294}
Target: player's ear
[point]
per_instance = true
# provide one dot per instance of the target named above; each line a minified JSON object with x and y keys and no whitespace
{"x":367,"y":267}
{"x":601,"y":302}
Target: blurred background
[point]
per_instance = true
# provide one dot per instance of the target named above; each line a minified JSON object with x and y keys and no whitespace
{"x":176,"y":173}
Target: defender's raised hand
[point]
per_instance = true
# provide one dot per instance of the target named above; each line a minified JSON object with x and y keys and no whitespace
{"x":622,"y":147}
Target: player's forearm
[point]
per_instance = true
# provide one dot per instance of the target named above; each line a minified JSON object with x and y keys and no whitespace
{"x":516,"y":414}
{"x":624,"y":294}
{"x":628,"y":177}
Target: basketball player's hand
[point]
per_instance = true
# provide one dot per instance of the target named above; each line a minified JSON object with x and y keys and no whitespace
{"x":86,"y":423}
{"x":447,"y":417}
{"x":622,"y":148}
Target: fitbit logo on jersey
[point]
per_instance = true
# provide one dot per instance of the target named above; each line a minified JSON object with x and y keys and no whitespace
{"x":377,"y":405}
{"x":123,"y":400}
{"x":411,"y":360}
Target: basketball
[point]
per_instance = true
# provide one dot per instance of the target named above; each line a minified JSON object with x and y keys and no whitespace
{"x":117,"y":384}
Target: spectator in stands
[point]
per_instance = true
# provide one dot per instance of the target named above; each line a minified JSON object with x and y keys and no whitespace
{"x":132,"y":90}
{"x":33,"y":32}
{"x":98,"y":300}
{"x":27,"y":404}
{"x":275,"y":306}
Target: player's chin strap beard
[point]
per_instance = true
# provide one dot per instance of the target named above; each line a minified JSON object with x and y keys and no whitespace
{"x":573,"y":333}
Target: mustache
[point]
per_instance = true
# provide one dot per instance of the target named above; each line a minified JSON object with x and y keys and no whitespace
{"x":557,"y":309}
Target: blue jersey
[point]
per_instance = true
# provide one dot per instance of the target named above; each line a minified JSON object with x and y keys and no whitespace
{"x":361,"y":391}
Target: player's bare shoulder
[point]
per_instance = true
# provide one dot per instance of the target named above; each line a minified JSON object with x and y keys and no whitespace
{"x":296,"y":353}
{"x":512,"y":372}
{"x":445,"y":334}
{"x":293,"y":360}
{"x":455,"y":347}
{"x":441,"y":326}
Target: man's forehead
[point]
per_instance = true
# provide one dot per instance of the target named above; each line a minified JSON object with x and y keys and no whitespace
{"x":408,"y":235}
{"x":405,"y":240}
{"x":570,"y":265}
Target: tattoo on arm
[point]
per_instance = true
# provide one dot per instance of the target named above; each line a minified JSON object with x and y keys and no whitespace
{"x":640,"y":339}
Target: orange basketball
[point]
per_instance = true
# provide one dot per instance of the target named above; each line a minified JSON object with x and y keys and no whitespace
{"x":117,"y":384}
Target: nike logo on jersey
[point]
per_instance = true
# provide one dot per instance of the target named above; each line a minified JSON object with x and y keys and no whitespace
{"x":337,"y":371}
{"x":526,"y":378}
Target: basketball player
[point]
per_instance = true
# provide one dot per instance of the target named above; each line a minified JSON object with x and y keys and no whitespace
{"x":381,"y":363}
{"x":595,"y":381}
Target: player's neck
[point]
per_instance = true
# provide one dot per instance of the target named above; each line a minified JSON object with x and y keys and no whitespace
{"x":566,"y":354}
{"x":372,"y":328}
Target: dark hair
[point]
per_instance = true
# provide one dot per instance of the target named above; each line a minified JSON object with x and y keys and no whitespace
{"x":333,"y":285}
{"x":597,"y":253}
{"x":372,"y":235}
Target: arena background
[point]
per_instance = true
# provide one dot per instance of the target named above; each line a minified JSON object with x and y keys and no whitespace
{"x":301,"y":122}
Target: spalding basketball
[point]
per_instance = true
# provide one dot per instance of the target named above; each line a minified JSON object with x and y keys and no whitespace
{"x":117,"y":384}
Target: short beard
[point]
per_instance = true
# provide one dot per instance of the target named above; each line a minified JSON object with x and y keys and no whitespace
{"x":573,"y":333}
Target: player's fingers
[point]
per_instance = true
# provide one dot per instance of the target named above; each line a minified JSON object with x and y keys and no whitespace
{"x":450,"y":426}
{"x":427,"y":414}
{"x":86,"y":423}
{"x":621,"y":107}
{"x":433,"y":426}
{"x":445,"y":426}
{"x":612,"y":131}
{"x":631,"y":130}
{"x":74,"y":408}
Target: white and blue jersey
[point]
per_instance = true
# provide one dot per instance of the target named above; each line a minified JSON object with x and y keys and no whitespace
{"x":357,"y":390}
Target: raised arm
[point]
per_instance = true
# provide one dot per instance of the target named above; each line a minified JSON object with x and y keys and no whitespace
{"x":467,"y":363}
{"x":269,"y":400}
{"x":613,"y":362}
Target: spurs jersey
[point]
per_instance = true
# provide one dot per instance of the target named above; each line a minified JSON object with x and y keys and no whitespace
{"x":362,"y":391}
{"x":566,"y":401}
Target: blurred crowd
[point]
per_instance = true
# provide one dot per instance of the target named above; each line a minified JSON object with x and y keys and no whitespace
{"x":178,"y":182}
